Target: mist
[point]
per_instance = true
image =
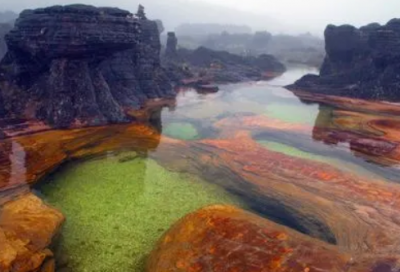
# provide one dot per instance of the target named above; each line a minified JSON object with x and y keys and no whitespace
{"x":283,"y":16}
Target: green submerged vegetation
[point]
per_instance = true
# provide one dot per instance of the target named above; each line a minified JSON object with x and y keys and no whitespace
{"x":118,"y":207}
{"x":182,"y":131}
{"x":292,"y":113}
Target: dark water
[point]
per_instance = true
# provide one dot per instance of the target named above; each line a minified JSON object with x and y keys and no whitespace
{"x":118,"y":206}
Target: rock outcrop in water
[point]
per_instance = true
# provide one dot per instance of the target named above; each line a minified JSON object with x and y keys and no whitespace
{"x":81,"y":65}
{"x":203,"y":66}
{"x":360,"y":63}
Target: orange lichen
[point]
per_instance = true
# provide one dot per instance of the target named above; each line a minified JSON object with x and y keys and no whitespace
{"x":259,"y":249}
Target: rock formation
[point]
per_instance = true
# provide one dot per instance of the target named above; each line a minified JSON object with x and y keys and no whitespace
{"x":360,"y":63}
{"x":4,"y":29}
{"x":358,"y":214}
{"x":203,"y":66}
{"x":27,"y":227}
{"x":80,"y":65}
{"x":172,"y":43}
{"x":224,"y":238}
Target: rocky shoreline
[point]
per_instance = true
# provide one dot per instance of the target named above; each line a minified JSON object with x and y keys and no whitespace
{"x":203,"y":67}
{"x":56,"y":75}
{"x":313,"y":195}
{"x":68,"y":76}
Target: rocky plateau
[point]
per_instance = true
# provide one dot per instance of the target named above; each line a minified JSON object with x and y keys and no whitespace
{"x":80,"y":65}
{"x":359,"y":63}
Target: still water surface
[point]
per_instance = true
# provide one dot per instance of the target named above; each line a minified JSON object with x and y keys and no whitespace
{"x":118,"y":205}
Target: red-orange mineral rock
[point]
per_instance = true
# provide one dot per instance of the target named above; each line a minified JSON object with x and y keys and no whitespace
{"x":223,"y":238}
{"x":27,"y":227}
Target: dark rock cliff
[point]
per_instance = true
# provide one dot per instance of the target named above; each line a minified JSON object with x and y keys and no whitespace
{"x":361,"y":63}
{"x":80,"y":65}
{"x":4,"y":29}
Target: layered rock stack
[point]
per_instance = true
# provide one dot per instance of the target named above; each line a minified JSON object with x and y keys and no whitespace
{"x":172,"y":43}
{"x":4,"y":29}
{"x":361,"y":63}
{"x":80,"y":65}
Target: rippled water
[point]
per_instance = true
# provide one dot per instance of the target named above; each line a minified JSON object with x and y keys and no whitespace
{"x":118,"y":205}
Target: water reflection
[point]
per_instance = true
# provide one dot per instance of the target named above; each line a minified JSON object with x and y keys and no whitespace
{"x":311,"y":166}
{"x":17,"y":159}
{"x":310,"y":127}
{"x":13,"y":169}
{"x":288,"y":120}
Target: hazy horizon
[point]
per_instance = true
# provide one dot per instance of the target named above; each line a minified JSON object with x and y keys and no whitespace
{"x":283,"y":16}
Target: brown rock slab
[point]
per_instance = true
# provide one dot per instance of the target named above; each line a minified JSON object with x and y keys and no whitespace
{"x":27,"y":226}
{"x":224,"y":238}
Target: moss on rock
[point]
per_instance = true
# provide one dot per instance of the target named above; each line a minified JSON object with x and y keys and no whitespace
{"x":117,"y":211}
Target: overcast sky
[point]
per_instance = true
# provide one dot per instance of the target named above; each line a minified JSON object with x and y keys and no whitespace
{"x":274,"y":15}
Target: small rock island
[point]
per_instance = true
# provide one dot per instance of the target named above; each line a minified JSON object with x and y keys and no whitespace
{"x":359,"y":63}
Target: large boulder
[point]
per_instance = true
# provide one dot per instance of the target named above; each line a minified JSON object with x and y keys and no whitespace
{"x":80,"y":65}
{"x":361,"y":63}
{"x":224,"y":238}
{"x":27,"y":227}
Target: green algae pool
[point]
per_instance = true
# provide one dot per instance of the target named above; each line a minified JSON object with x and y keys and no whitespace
{"x":118,"y":207}
{"x":292,"y":113}
{"x":182,"y":131}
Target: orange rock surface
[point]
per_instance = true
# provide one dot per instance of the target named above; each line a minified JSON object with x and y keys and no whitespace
{"x":27,"y":227}
{"x":359,"y":214}
{"x":223,"y":238}
{"x":26,"y":159}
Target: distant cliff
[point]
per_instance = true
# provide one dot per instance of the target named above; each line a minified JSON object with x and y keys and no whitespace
{"x":80,"y":65}
{"x":4,"y":29}
{"x":362,"y":63}
{"x":204,"y":65}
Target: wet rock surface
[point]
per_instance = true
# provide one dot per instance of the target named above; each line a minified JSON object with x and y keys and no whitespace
{"x":27,"y":227}
{"x":365,"y":66}
{"x":224,"y":238}
{"x":80,"y":65}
